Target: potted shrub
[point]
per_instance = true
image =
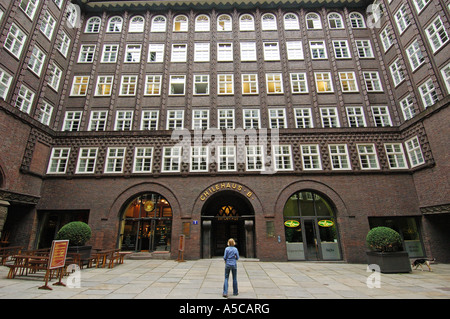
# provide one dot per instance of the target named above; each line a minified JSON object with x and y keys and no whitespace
{"x":387,"y":251}
{"x":78,"y":233}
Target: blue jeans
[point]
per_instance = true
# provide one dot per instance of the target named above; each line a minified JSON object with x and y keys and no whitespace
{"x":227,"y":275}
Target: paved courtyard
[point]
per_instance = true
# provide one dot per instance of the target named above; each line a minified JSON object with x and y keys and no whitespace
{"x":203,"y":279}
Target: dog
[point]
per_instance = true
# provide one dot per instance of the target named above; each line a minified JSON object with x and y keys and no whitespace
{"x":423,"y":261}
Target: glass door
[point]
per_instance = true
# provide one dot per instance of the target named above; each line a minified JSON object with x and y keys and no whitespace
{"x":310,"y":233}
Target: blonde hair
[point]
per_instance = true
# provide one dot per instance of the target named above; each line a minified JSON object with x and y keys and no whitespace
{"x":231,"y":242}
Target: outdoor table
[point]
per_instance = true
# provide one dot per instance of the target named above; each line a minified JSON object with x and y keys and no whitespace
{"x":27,"y":262}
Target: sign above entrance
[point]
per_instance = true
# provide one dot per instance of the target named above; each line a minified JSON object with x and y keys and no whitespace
{"x":292,"y":223}
{"x":226,"y":186}
{"x":325,"y":223}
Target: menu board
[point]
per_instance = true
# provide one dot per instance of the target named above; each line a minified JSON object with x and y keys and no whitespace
{"x":58,"y":254}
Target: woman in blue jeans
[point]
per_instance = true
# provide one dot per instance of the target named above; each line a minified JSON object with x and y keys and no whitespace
{"x":230,"y":256}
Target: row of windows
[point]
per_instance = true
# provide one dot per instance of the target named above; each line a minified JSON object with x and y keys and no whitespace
{"x":227,"y":158}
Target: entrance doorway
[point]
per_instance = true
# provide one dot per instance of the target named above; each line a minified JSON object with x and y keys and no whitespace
{"x":227,"y":215}
{"x":146,"y":224}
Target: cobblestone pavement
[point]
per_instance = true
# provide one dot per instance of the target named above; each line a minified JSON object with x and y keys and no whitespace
{"x":203,"y":279}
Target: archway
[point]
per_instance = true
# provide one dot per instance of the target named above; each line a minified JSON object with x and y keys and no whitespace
{"x":227,"y":214}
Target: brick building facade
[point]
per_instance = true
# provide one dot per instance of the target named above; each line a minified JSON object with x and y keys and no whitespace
{"x":294,"y":127}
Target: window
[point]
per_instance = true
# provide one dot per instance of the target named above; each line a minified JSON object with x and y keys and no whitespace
{"x":313,"y":21}
{"x":341,"y":50}
{"x":415,"y":56}
{"x":179,"y":53}
{"x":202,"y":23}
{"x":372,"y":80}
{"x":201,"y":52}
{"x":251,"y":118}
{"x":428,"y":93}
{"x":277,"y":118}
{"x":381,"y":116}
{"x":224,"y":23}
{"x":29,"y":7}
{"x":224,"y":52}
{"x":98,"y":120}
{"x":36,"y":61}
{"x":226,"y":118}
{"x":311,"y":157}
{"x":86,"y":160}
{"x":72,"y":121}
{"x":299,"y":83}
{"x":93,"y":25}
{"x":86,"y":54}
{"x":15,"y":40}
{"x":175,"y":119}
{"x":303,"y":118}
{"x":225,"y":84}
{"x":58,"y":161}
{"x":110,"y":52}
{"x":115,"y":24}
{"x":152,"y":85}
{"x":291,"y":22}
{"x":420,"y":4}
{"x":329,"y":117}
{"x":124,"y":121}
{"x":114,"y":159}
{"x":156,"y":52}
{"x":274,"y":83}
{"x":282,"y":157}
{"x":45,"y":113}
{"x":177,"y":84}
{"x":445,"y":71}
{"x":249,"y":84}
{"x":133,"y":53}
{"x":271,"y":51}
{"x":79,"y":86}
{"x":402,"y":19}
{"x":254,"y":159}
{"x":407,"y":107}
{"x":158,"y":24}
{"x":318,"y":50}
{"x":226,"y":158}
{"x":386,"y":39}
{"x":395,"y":155}
{"x":367,"y":156}
{"x":414,"y":152}
{"x":335,"y":21}
{"x":200,"y":119}
{"x":355,"y":116}
{"x":180,"y":24}
{"x":199,"y":159}
{"x":348,"y":82}
{"x":294,"y":50}
{"x":268,"y":22}
{"x":143,"y":158}
{"x":364,"y":48}
{"x":357,"y":20}
{"x":104,"y":85}
{"x":339,"y":156}
{"x":54,"y":76}
{"x":248,"y":51}
{"x":437,"y":35}
{"x":63,"y":44}
{"x":397,"y":72}
{"x":24,"y":99}
{"x":246,"y":23}
{"x":136,"y":24}
{"x":323,"y":82}
{"x":201,"y":84}
{"x":48,"y":25}
{"x":149,"y":120}
{"x":128,"y":85}
{"x":5,"y":83}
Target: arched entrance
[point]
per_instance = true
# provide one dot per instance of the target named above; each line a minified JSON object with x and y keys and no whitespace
{"x":310,"y":227}
{"x":146,"y":224}
{"x":227,"y":214}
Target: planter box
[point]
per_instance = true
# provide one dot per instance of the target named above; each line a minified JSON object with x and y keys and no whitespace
{"x":390,"y":262}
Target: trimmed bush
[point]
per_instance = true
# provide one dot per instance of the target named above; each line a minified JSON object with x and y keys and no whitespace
{"x":78,"y":233}
{"x":384,"y":239}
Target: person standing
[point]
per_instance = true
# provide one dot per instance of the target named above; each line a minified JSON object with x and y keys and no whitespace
{"x":230,"y":256}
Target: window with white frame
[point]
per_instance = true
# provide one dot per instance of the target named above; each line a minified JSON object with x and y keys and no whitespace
{"x":437,"y":34}
{"x":202,"y":23}
{"x":180,"y":24}
{"x":143,"y":160}
{"x":201,"y":84}
{"x":36,"y":61}
{"x":395,"y":155}
{"x":5,"y":83}
{"x":386,"y":38}
{"x":428,"y":93}
{"x":63,"y":44}
{"x":133,"y":53}
{"x":149,"y":120}
{"x":58,"y":160}
{"x":255,"y":158}
{"x":156,"y":52}
{"x":110,"y":52}
{"x":136,"y":24}
{"x":225,"y":84}
{"x":171,"y":159}
{"x":415,"y":55}
{"x":224,"y":52}
{"x":364,"y":48}
{"x":277,"y":118}
{"x":381,"y":116}
{"x":128,"y":85}
{"x":201,"y":52}
{"x":248,"y":51}
{"x":104,"y":85}
{"x":299,"y":83}
{"x":341,"y":50}
{"x":86,"y":161}
{"x":179,"y":53}
{"x":329,"y":117}
{"x":25,"y":99}
{"x":357,"y":20}
{"x":339,"y":156}
{"x":48,"y":25}
{"x":199,"y":159}
{"x":274,"y":83}
{"x":54,"y":77}
{"x":348,"y":82}
{"x":323,"y":82}
{"x":72,"y":121}
{"x":87,"y":53}
{"x":445,"y":71}
{"x":175,"y":119}
{"x":355,"y":116}
{"x":251,"y":118}
{"x":313,"y":21}
{"x":71,"y":14}
{"x":246,"y":23}
{"x":124,"y":121}
{"x":153,"y":84}
{"x":372,"y":81}
{"x":249,"y":84}
{"x":268,"y":22}
{"x":271,"y":51}
{"x":318,"y":50}
{"x":367,"y":156}
{"x":397,"y":72}
{"x":98,"y":121}
{"x":45,"y":113}
{"x":226,"y":118}
{"x":311,"y":157}
{"x":29,"y":7}
{"x":79,"y":85}
{"x":291,"y":21}
{"x":282,"y":157}
{"x":115,"y":24}
{"x":294,"y":50}
{"x":115,"y":158}
{"x":303,"y":117}
{"x":200,"y":119}
{"x":335,"y":21}
{"x":224,"y":23}
{"x":226,"y":158}
{"x":402,"y":19}
{"x":15,"y":40}
{"x":93,"y":25}
{"x":414,"y":152}
{"x":158,"y":24}
{"x":420,"y":4}
{"x":407,"y":106}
